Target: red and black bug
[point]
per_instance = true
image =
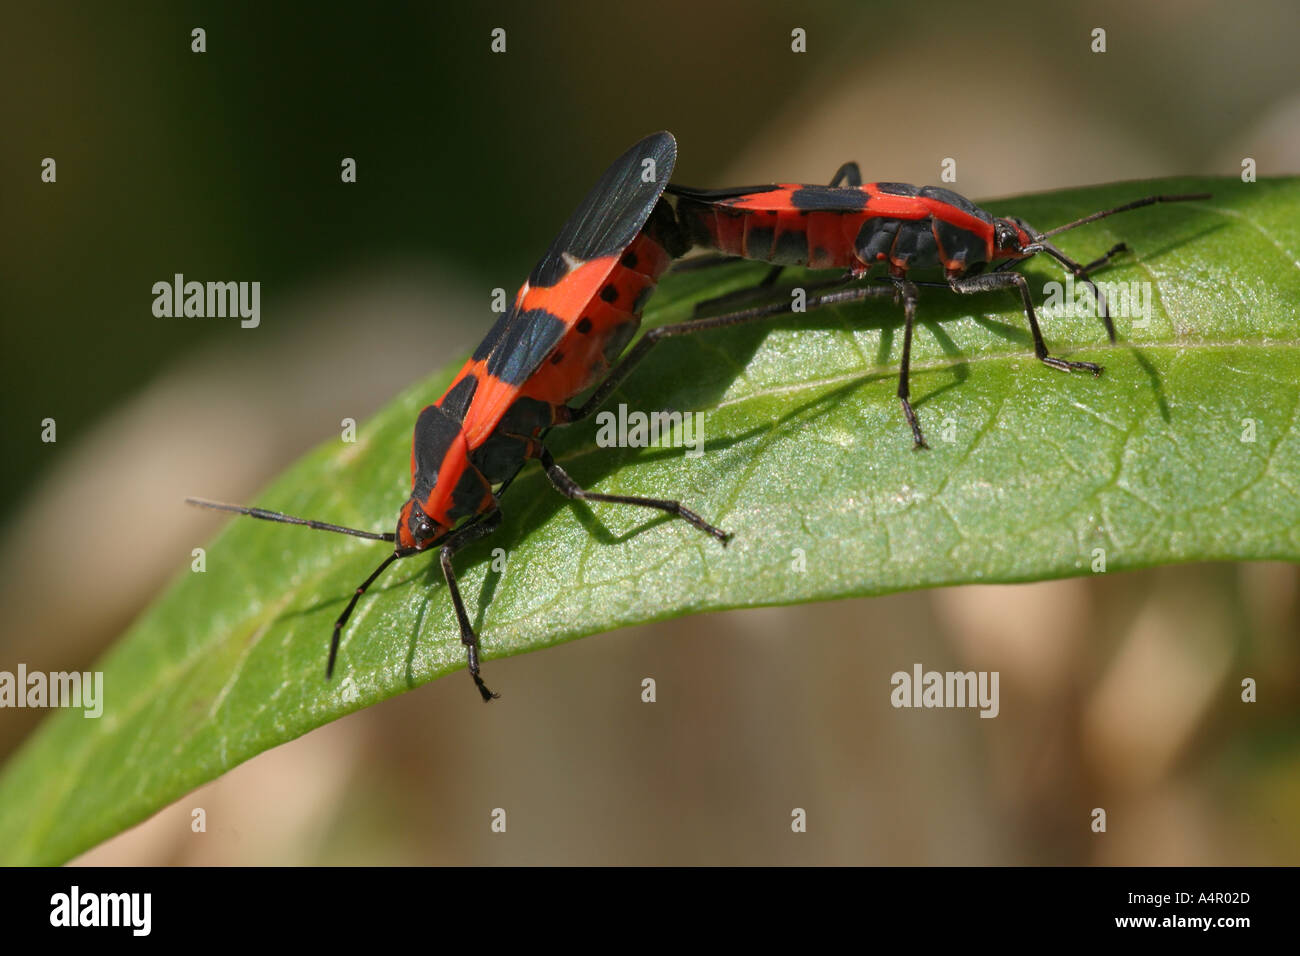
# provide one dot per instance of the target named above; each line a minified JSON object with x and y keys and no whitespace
{"x":567,"y":326}
{"x":582,"y":304}
{"x":906,"y":236}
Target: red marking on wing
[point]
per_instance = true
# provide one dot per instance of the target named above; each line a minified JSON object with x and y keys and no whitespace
{"x":889,"y":206}
{"x":567,"y":297}
{"x":565,"y":300}
{"x":582,"y":360}
{"x":453,"y":465}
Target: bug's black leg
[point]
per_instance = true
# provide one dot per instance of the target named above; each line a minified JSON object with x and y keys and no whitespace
{"x":656,"y":335}
{"x":347,"y":611}
{"x":1081,"y":273}
{"x":1005,"y":280}
{"x":740,"y":295}
{"x":1114,"y":250}
{"x":1119,"y":247}
{"x":1091,"y":267}
{"x":849,"y":174}
{"x":467,"y":534}
{"x":809,"y":288}
{"x":571,"y":489}
{"x":908,"y":292}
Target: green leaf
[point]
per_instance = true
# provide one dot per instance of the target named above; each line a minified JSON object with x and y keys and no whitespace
{"x":1032,"y":474}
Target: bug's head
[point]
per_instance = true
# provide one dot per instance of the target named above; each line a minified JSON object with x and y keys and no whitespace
{"x":416,"y":530}
{"x":1010,"y":237}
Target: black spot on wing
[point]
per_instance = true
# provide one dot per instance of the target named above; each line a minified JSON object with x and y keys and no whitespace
{"x":957,"y":200}
{"x":613,"y":212}
{"x":829,"y":199}
{"x":526,"y":339}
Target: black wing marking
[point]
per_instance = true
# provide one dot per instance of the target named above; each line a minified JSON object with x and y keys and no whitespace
{"x":528,"y":337}
{"x":809,"y":198}
{"x":829,"y":199}
{"x":612,"y":214}
{"x":712,"y":195}
{"x":957,"y":200}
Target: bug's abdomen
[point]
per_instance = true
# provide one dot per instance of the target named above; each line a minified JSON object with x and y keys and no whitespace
{"x":876,"y":228}
{"x":788,"y":237}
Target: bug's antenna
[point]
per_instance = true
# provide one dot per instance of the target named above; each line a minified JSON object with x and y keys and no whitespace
{"x":1081,"y":272}
{"x":1136,"y":204}
{"x":319,"y":526}
{"x":290,"y":519}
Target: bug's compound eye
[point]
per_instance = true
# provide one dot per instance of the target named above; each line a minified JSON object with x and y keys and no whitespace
{"x":416,"y":529}
{"x":1007,"y":235}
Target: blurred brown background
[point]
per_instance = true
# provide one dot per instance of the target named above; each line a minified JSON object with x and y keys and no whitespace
{"x":1120,"y":692}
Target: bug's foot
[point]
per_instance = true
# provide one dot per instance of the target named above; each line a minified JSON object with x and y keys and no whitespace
{"x":483,"y":689}
{"x":690,"y":516}
{"x":1066,"y":366}
{"x":918,"y":440}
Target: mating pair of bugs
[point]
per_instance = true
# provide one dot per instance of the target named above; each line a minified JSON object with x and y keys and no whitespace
{"x":570,"y":323}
